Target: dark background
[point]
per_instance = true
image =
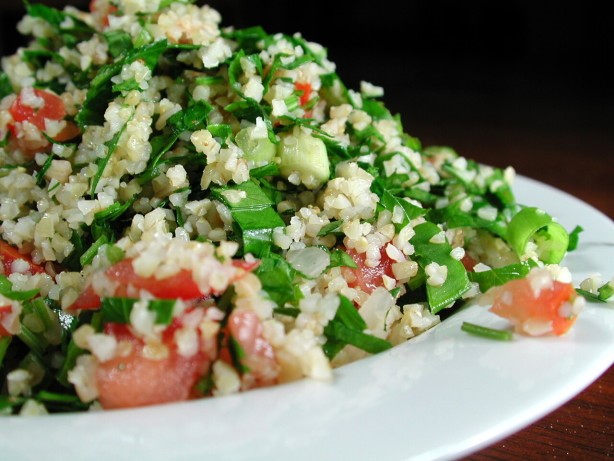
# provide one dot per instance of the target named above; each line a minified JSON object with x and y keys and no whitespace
{"x":523,"y":83}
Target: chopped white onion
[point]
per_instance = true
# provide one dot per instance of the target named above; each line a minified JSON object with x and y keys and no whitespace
{"x":310,"y":261}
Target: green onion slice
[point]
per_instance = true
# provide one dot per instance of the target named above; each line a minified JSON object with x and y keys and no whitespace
{"x":485,"y":332}
{"x":531,"y":223}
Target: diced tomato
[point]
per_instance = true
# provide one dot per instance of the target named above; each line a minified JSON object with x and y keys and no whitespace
{"x":52,"y":108}
{"x":9,"y":254}
{"x":534,"y":309}
{"x":364,"y":277}
{"x":178,"y":286}
{"x":468,"y":262}
{"x":135,"y":380}
{"x":306,"y":89}
{"x":256,"y":354}
{"x":4,"y":310}
{"x":247,"y":266}
{"x":101,"y":9}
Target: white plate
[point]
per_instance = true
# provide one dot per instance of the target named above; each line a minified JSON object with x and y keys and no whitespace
{"x":443,"y":395}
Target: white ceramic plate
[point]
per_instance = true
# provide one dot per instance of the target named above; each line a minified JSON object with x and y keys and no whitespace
{"x":443,"y":395}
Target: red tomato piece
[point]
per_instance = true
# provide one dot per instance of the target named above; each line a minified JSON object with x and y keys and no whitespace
{"x":178,"y":286}
{"x":257,"y":355}
{"x":52,"y":108}
{"x":4,"y":310}
{"x":306,"y":89}
{"x":9,"y":254}
{"x":101,"y":9}
{"x":88,"y":299}
{"x":364,"y":277}
{"x":536,"y":312}
{"x":135,"y":380}
{"x":468,"y":262}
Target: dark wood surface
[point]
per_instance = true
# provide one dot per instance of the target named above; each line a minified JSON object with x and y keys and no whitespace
{"x":582,"y":429}
{"x":576,"y":156}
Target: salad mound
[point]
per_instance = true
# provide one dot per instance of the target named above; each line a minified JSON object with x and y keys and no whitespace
{"x":190,"y":210}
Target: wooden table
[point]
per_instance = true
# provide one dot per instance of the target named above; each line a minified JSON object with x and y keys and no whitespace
{"x":580,"y":162}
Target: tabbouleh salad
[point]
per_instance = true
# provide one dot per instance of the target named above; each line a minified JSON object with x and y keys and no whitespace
{"x":190,"y":210}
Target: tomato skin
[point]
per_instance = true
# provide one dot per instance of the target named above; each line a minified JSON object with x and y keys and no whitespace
{"x":134,"y":380}
{"x":364,"y":277}
{"x":516,"y":301}
{"x":9,"y":254}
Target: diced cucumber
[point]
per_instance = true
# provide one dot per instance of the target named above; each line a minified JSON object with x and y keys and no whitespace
{"x":258,"y":150}
{"x":305,"y":155}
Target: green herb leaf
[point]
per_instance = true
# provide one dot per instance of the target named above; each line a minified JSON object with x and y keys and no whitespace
{"x":257,"y":229}
{"x":5,"y":342}
{"x":339,"y":258}
{"x":333,"y":227}
{"x":116,"y":310}
{"x":6,"y":290}
{"x":347,"y":328}
{"x":289,"y":311}
{"x":591,"y":297}
{"x":454,"y":217}
{"x":277,"y":279}
{"x":375,"y":109}
{"x":253,"y":214}
{"x":72,"y":352}
{"x":388,"y":202}
{"x":114,"y":211}
{"x":87,"y":257}
{"x":574,"y":238}
{"x":55,"y":401}
{"x":499,"y":276}
{"x":270,"y":169}
{"x":102,"y":162}
{"x":126,"y":86}
{"x":5,"y":85}
{"x":247,"y":38}
{"x":35,"y":343}
{"x":604,"y":293}
{"x":114,"y":254}
{"x":237,"y":354}
{"x":456,"y":282}
{"x":100,"y":91}
{"x":118,"y":41}
{"x":40,"y":176}
{"x":163,"y":309}
{"x":194,"y":117}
